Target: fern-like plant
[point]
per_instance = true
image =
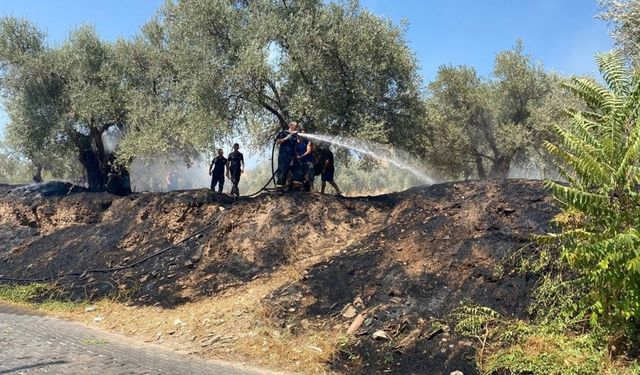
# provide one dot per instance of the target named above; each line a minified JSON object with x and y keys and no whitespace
{"x":478,"y":322}
{"x":599,"y":156}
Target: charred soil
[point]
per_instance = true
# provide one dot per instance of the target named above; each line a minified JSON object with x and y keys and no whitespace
{"x":387,"y":269}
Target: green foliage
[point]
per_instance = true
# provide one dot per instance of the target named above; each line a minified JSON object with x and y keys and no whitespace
{"x":623,"y":17}
{"x":479,"y":322}
{"x":202,"y":71}
{"x":557,"y":338}
{"x":556,"y":302}
{"x":475,"y":320}
{"x":205,"y":70}
{"x":482,"y":127}
{"x":13,"y":169}
{"x":544,"y":353}
{"x":21,"y":39}
{"x":599,"y":155}
{"x":59,"y":100}
{"x":32,"y":90}
{"x":39,"y":295}
{"x":548,"y":346}
{"x":26,"y":293}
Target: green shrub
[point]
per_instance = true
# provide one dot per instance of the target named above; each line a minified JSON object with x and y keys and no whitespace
{"x":543,"y":347}
{"x":29,"y":293}
{"x":547,"y":353}
{"x":599,"y":156}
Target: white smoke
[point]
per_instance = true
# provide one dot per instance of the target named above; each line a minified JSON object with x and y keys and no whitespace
{"x":161,"y":175}
{"x":111,"y":139}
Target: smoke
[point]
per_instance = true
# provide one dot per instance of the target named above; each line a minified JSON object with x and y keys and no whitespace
{"x":111,"y":139}
{"x":534,"y":169}
{"x":160,"y":174}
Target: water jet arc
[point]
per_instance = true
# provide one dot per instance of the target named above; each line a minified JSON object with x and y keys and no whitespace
{"x":376,"y":151}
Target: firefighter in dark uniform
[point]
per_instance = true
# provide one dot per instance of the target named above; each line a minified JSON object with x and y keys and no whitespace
{"x":287,"y":140}
{"x":235,"y":168}
{"x":216,"y":171}
{"x":326,"y":170}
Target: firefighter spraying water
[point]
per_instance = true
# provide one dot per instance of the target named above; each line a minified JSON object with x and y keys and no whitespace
{"x":299,"y":160}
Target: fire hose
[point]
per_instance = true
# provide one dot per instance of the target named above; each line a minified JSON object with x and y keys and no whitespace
{"x":116,"y":268}
{"x":273,"y":170}
{"x":146,"y":258}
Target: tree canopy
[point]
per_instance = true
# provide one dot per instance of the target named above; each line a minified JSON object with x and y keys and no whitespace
{"x":246,"y":65}
{"x":61,"y":100}
{"x":479,"y":127}
{"x":204,"y":70}
{"x":624,"y":19}
{"x":201,"y":70}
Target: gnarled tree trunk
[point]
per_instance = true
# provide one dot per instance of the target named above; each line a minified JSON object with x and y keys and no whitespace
{"x":500,"y":167}
{"x":102,"y":171}
{"x":37,"y":176}
{"x":480,"y":167}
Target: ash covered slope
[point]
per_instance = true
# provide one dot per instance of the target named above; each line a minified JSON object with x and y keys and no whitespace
{"x":50,"y":236}
{"x":405,"y":259}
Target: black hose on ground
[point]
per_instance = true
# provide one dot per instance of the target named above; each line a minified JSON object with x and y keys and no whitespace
{"x":144,"y":259}
{"x":116,"y":268}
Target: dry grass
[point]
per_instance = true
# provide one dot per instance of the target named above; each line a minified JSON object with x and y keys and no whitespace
{"x":231,"y":326}
{"x":538,"y":345}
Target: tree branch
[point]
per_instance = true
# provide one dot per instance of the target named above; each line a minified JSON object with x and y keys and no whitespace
{"x":274,"y":89}
{"x":283,"y":121}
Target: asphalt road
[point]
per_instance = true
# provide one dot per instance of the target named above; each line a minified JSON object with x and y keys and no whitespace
{"x":36,"y":344}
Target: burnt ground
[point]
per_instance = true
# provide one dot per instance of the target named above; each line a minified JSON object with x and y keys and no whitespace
{"x":402,"y":261}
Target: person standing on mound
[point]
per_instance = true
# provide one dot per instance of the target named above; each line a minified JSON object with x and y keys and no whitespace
{"x":327,"y":171}
{"x":287,"y":140}
{"x":235,"y":168}
{"x":216,"y":171}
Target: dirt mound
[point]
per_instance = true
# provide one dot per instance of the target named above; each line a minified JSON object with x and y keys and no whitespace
{"x":402,"y":261}
{"x":102,"y":232}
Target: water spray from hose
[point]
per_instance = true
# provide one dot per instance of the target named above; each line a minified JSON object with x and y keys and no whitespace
{"x":397,"y":158}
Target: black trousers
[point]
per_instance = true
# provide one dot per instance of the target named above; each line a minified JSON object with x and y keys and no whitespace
{"x":235,"y":180}
{"x":217,"y":180}
{"x":284,"y":166}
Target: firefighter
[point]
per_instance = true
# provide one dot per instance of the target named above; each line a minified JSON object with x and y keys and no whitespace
{"x":287,"y":140}
{"x":217,"y":171}
{"x":235,"y":168}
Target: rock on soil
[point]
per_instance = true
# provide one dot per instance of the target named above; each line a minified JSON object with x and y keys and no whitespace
{"x":400,"y":262}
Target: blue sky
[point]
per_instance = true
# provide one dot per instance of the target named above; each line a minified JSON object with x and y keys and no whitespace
{"x":562,"y":34}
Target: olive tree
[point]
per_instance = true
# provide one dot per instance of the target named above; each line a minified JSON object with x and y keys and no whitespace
{"x":254,"y":66}
{"x":481,"y":127}
{"x":61,"y":101}
{"x":624,"y":18}
{"x":202,"y":70}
